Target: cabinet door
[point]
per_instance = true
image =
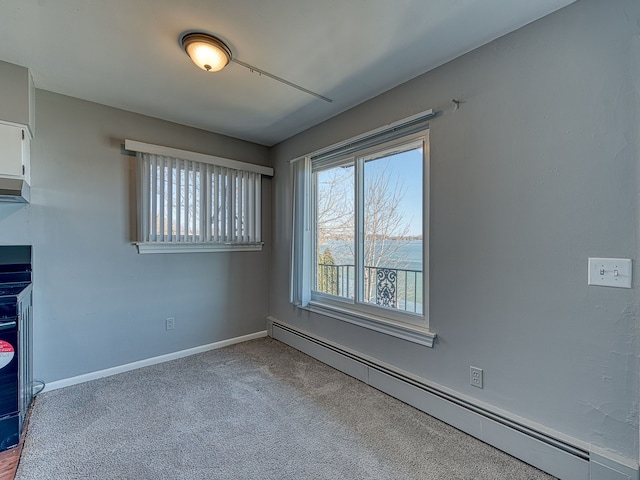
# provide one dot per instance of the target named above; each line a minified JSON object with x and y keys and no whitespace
{"x":11,"y":151}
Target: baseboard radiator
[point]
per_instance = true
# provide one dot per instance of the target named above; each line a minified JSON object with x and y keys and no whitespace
{"x":552,"y":454}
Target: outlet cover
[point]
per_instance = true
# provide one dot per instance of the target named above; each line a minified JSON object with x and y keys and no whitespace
{"x":170,"y":323}
{"x":475,"y":377}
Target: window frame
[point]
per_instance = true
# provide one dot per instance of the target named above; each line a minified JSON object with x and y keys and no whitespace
{"x":408,"y":325}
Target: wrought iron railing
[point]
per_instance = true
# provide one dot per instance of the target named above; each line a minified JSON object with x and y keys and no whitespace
{"x":397,"y":288}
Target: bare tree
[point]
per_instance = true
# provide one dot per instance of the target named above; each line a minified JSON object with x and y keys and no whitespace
{"x":335,"y":205}
{"x":385,"y":224}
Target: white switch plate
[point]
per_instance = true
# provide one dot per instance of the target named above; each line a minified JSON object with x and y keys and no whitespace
{"x":610,"y":272}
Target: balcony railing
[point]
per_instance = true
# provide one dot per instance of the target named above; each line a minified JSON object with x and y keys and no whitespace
{"x":397,"y":288}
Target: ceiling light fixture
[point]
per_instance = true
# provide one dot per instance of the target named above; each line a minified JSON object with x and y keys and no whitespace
{"x":212,"y":54}
{"x":207,"y":52}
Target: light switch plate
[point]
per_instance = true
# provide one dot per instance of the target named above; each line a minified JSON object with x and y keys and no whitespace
{"x":610,"y":272}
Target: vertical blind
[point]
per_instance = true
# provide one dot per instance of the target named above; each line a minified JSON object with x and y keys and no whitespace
{"x":185,"y":201}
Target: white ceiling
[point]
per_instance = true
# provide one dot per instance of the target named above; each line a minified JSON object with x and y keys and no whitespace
{"x":126,"y":54}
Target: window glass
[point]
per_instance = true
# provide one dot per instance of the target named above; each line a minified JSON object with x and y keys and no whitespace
{"x":392,"y":240}
{"x":335,"y":224}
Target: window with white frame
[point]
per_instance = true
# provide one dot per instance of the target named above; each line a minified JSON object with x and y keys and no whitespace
{"x":190,"y":202}
{"x":360,"y":246}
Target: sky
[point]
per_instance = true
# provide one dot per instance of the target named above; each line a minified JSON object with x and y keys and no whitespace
{"x":407,"y":168}
{"x":385,"y":174}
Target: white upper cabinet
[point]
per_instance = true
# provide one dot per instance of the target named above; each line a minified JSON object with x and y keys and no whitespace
{"x":17,"y":122}
{"x":14,"y":152}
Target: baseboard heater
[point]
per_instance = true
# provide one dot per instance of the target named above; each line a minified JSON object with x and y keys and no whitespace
{"x":576,"y":468}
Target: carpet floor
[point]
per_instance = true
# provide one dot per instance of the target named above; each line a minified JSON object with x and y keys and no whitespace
{"x":256,"y":410}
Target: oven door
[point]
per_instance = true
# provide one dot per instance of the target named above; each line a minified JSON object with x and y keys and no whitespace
{"x":8,"y":367}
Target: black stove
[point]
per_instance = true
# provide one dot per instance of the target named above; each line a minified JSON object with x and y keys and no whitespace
{"x":15,"y":289}
{"x":9,"y":301}
{"x":10,"y":289}
{"x":16,"y":377}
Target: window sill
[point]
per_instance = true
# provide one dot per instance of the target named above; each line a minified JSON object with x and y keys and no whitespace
{"x":144,"y":248}
{"x":410,"y":333}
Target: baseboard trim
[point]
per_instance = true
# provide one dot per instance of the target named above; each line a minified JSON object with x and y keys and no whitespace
{"x":553,"y":452}
{"x":150,"y":361}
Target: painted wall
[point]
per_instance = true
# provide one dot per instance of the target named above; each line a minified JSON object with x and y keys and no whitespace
{"x":536,"y":172}
{"x":97,"y":303}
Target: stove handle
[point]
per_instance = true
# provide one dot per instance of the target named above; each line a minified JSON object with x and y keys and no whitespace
{"x":8,"y":325}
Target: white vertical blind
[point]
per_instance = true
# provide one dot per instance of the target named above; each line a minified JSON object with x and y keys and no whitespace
{"x":301,"y":255}
{"x":185,"y":201}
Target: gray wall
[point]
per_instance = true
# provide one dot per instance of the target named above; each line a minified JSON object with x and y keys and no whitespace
{"x":535,"y":172}
{"x":97,"y":303}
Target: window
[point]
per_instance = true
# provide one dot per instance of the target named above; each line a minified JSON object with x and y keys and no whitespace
{"x":360,"y":250}
{"x":198,"y":203}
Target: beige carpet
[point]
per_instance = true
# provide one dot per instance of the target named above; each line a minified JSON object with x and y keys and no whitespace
{"x":257,"y":410}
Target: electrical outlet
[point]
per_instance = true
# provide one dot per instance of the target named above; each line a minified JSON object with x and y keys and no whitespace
{"x":475,"y":377}
{"x":170,"y":323}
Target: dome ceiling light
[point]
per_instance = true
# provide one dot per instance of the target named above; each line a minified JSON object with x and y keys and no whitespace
{"x":207,"y":52}
{"x":212,"y":55}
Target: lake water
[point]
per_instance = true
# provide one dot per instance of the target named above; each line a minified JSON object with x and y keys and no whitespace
{"x":403,"y":254}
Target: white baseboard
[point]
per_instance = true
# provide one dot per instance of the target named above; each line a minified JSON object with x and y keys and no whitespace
{"x":546,"y":449}
{"x":150,"y":361}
